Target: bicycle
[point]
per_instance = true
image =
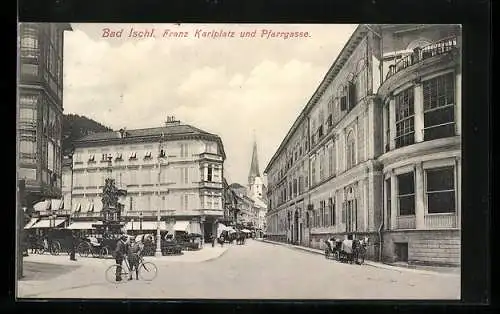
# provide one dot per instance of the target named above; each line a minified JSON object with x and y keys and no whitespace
{"x":147,"y":271}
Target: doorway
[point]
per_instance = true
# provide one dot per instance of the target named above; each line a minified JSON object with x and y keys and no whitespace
{"x":401,"y":252}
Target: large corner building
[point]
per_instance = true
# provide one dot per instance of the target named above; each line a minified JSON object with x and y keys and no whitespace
{"x":376,"y":150}
{"x":175,"y":170}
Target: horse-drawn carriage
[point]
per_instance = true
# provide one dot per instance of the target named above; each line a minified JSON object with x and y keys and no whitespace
{"x":54,"y":241}
{"x":347,"y":251}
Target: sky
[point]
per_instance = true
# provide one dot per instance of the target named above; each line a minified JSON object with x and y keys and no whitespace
{"x":239,"y":88}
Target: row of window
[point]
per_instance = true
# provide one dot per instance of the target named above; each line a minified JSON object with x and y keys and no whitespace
{"x":149,"y":203}
{"x":438,"y":100}
{"x":146,"y":176}
{"x":439,"y":191}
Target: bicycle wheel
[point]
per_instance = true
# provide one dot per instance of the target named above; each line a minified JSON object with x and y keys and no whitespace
{"x":111,"y":274}
{"x":147,"y":271}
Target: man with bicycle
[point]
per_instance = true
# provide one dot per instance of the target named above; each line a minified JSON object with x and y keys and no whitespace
{"x":120,"y":252}
{"x":134,"y":252}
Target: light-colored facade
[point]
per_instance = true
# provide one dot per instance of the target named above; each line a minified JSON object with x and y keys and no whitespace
{"x":176,"y":169}
{"x":421,"y":99}
{"x":373,"y":121}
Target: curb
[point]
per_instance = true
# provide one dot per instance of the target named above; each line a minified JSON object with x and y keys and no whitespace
{"x":369,"y":263}
{"x":215,"y":257}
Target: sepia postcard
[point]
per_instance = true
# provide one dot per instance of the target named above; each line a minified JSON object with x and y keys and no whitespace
{"x":239,"y":161}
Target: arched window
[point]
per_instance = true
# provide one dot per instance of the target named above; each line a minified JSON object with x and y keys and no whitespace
{"x":350,"y":150}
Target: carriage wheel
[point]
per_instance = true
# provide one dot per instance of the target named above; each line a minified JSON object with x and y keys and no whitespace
{"x":104,"y":252}
{"x":83,"y":249}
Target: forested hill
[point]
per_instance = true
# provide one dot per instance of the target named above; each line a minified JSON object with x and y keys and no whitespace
{"x":75,"y":126}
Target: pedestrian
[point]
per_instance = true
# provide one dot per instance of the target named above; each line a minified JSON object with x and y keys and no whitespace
{"x":212,"y":239}
{"x":120,"y":253}
{"x":134,"y":252}
{"x":72,"y":255}
{"x":221,"y":240}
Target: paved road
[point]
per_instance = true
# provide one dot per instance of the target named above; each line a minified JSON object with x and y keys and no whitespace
{"x":256,"y":270}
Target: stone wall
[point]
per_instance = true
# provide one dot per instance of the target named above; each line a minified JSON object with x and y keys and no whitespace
{"x":433,"y":247}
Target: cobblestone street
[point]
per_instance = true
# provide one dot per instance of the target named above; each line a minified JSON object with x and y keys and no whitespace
{"x":255,"y":270}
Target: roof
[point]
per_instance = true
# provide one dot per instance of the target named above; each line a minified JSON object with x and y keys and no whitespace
{"x":236,"y":186}
{"x":170,"y":132}
{"x":335,"y":68}
{"x":254,"y":166}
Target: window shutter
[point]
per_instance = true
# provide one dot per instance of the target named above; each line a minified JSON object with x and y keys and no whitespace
{"x":352,"y":95}
{"x":343,"y":103}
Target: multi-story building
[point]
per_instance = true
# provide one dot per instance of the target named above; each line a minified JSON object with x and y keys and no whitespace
{"x":421,"y":99}
{"x":175,"y":170}
{"x":382,"y":125}
{"x":40,"y":112}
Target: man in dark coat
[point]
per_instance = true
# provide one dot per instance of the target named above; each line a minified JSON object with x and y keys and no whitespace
{"x":120,"y":252}
{"x":72,"y":256}
{"x":134,"y":252}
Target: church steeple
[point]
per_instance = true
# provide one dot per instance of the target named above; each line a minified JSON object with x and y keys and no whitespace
{"x":254,"y":166}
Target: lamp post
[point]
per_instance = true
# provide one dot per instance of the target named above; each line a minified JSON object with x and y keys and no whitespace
{"x":140,"y":221}
{"x":161,"y":154}
{"x":132,"y":221}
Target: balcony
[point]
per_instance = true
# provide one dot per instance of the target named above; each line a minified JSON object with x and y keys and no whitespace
{"x":441,"y":47}
{"x":210,"y":184}
{"x":405,"y":222}
{"x":210,"y":156}
{"x":441,"y":221}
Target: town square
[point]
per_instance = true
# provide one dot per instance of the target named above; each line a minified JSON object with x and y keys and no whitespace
{"x":324,"y":165}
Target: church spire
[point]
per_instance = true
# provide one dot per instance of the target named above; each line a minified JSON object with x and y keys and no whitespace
{"x":254,"y":166}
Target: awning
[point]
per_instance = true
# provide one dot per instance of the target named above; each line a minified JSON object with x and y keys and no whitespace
{"x":56,"y":204}
{"x":195,"y":228}
{"x":181,"y":226}
{"x":83,"y":225}
{"x":77,"y":207}
{"x":146,"y":225}
{"x":98,"y":206}
{"x":246,"y":231}
{"x":42,"y":206}
{"x":48,"y":223}
{"x":30,"y":224}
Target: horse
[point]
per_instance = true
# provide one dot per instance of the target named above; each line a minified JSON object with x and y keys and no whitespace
{"x":240,"y":238}
{"x":353,"y":251}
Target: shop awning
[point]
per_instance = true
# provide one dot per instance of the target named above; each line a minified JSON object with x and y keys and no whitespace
{"x":48,"y":223}
{"x":146,"y":225}
{"x":77,"y":207}
{"x":42,"y":206}
{"x":83,"y":225}
{"x":195,"y":228}
{"x":30,"y":224}
{"x":56,"y":204}
{"x":246,"y":231}
{"x":181,"y":226}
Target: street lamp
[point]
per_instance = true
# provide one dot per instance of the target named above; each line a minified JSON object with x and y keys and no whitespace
{"x":161,"y":154}
{"x":140,"y":221}
{"x":132,"y":221}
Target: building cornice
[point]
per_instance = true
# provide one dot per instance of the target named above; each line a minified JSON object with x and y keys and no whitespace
{"x":331,"y":74}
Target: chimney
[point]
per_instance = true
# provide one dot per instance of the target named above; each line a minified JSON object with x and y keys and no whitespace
{"x":171,"y":121}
